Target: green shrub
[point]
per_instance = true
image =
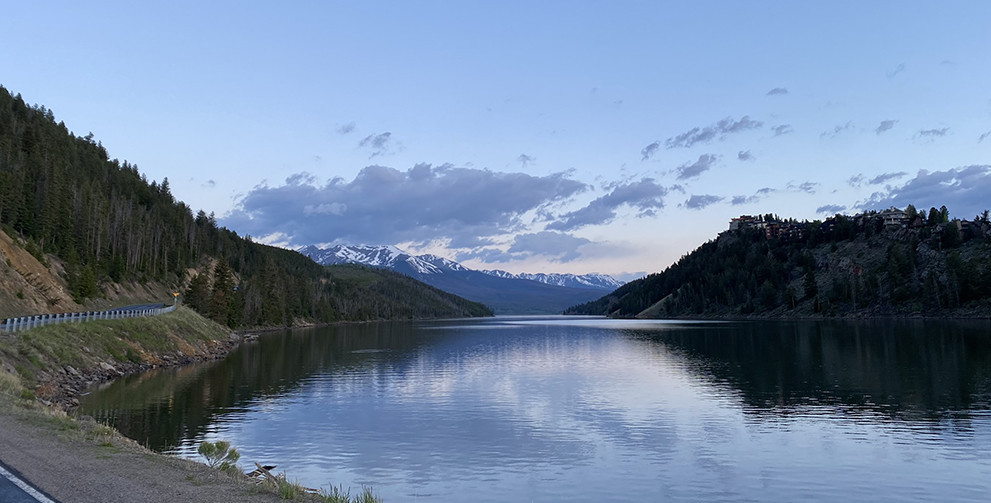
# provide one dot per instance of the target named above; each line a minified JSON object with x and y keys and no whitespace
{"x":220,"y":455}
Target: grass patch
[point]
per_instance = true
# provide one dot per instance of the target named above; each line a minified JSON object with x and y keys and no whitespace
{"x":290,"y":490}
{"x":340,"y":495}
{"x":10,"y":385}
{"x":86,"y":345}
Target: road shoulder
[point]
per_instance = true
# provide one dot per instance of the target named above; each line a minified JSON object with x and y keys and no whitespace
{"x":82,"y":461}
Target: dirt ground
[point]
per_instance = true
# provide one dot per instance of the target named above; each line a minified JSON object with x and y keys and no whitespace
{"x":82,"y":461}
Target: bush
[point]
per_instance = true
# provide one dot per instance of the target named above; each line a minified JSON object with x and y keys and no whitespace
{"x":220,"y":455}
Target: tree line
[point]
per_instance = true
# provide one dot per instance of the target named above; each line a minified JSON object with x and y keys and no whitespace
{"x":63,"y":195}
{"x":928,"y":265}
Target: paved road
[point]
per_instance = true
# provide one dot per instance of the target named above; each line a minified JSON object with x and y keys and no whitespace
{"x":15,"y":490}
{"x":138,"y":307}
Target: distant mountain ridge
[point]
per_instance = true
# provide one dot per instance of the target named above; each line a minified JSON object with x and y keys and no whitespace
{"x":504,"y":292}
{"x":592,"y":280}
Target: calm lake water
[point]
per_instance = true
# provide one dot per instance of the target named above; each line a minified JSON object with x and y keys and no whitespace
{"x":555,"y":409}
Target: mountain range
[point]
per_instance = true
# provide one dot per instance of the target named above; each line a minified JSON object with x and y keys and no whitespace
{"x":504,"y":292}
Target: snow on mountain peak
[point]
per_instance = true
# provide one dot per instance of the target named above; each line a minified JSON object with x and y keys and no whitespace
{"x":392,"y":257}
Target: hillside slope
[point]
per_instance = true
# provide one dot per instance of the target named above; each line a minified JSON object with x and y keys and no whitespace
{"x":845,"y":266}
{"x":30,"y":286}
{"x":95,"y":224}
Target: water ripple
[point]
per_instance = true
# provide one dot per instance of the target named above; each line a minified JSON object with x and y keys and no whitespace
{"x":562,"y":409}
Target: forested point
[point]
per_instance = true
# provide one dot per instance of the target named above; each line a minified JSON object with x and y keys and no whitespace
{"x":890,"y":263}
{"x":63,"y":195}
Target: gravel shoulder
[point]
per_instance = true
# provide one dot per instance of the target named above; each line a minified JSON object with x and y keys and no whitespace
{"x":83,"y":461}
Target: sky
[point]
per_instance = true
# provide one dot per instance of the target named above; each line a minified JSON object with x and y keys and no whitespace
{"x":551,"y":136}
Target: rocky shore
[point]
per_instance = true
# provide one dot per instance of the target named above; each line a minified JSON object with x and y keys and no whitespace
{"x":63,"y":386}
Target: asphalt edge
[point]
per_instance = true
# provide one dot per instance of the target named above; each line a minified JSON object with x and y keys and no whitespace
{"x":18,"y":480}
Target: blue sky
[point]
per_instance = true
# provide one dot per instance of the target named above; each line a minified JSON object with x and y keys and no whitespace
{"x":528,"y":136}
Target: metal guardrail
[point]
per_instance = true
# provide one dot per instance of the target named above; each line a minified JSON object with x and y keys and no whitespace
{"x":11,"y":325}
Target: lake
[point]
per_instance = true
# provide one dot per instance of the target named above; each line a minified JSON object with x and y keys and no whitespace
{"x":550,"y":409}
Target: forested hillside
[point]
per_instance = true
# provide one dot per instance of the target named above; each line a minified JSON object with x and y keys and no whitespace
{"x":63,"y":195}
{"x":893,"y":263}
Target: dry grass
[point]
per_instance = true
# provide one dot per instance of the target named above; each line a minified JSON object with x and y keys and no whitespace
{"x":10,"y":384}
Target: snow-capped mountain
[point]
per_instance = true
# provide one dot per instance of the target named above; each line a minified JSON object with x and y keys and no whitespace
{"x":504,"y":292}
{"x":595,"y":281}
{"x":388,"y":257}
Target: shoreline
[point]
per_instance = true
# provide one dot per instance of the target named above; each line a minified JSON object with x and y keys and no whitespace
{"x":43,"y":421}
{"x":71,"y":383}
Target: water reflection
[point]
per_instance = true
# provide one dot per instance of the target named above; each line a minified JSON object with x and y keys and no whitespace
{"x":552,"y":409}
{"x":163,"y":407}
{"x":902,"y":369}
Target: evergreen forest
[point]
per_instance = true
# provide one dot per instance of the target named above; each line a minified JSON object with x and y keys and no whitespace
{"x":921,"y":264}
{"x":64,"y":196}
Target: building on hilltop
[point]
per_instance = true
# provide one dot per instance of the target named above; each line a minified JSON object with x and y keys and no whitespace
{"x":894,"y":216}
{"x":746,"y":222}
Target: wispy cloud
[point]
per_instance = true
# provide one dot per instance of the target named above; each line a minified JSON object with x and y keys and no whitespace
{"x":929,"y":135}
{"x":884,"y":177}
{"x":692,"y":170}
{"x":706,"y":134}
{"x":209,"y":184}
{"x":898,"y":69}
{"x":346,"y":128}
{"x":807,"y":187}
{"x":983,"y":136}
{"x":745,"y":155}
{"x":738,"y":200}
{"x":777,"y":91}
{"x":525,"y":160}
{"x":645,"y":195}
{"x":782,"y":129}
{"x":830,"y":209}
{"x":380,"y":144}
{"x":836,"y":131}
{"x":885,"y":125}
{"x":698,"y":202}
{"x":649,"y":151}
{"x":859,"y":179}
